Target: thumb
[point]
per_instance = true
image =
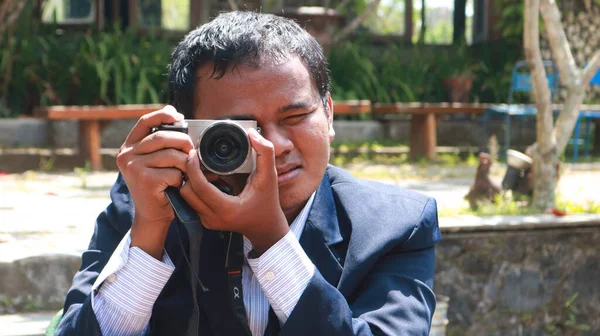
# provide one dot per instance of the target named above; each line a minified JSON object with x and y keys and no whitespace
{"x":265,"y":156}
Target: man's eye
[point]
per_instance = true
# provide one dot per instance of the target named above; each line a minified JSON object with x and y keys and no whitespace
{"x":295,"y":117}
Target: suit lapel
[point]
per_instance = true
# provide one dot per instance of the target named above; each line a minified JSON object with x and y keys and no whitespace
{"x":322,"y":232}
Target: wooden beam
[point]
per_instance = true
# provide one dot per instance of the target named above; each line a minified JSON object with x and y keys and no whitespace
{"x":195,"y":13}
{"x":116,"y":11}
{"x":351,"y":107}
{"x":426,"y":108}
{"x":100,"y":14}
{"x":96,"y":112}
{"x":90,"y":142}
{"x":132,"y":13}
{"x":453,"y":108}
{"x":423,"y":136}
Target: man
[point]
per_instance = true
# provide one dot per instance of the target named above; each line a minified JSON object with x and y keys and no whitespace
{"x":323,"y":253}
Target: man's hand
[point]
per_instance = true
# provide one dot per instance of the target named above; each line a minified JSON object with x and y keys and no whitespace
{"x":149,"y":163}
{"x":255,"y":212}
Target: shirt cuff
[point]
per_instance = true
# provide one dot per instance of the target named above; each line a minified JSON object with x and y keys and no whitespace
{"x":283,"y":272}
{"x":126,"y":289}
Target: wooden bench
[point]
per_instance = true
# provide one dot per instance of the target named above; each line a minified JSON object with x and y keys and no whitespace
{"x":425,"y":117}
{"x":92,"y":120}
{"x":424,"y":120}
{"x":351,"y":107}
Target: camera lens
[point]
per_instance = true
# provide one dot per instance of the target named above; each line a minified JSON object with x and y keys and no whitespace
{"x":224,"y":147}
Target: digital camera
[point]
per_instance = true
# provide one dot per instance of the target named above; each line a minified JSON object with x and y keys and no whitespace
{"x":223,"y":145}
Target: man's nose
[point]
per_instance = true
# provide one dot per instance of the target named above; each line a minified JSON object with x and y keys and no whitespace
{"x":279,"y":138}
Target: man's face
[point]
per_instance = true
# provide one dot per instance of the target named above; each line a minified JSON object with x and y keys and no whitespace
{"x":284,"y":101}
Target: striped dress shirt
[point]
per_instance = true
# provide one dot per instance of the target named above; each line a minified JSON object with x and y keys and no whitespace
{"x":125,"y":291}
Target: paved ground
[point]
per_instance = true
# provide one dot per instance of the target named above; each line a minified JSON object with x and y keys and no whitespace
{"x":33,"y":324}
{"x":42,"y":213}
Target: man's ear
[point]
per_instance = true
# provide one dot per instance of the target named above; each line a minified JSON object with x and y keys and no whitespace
{"x":330,"y":117}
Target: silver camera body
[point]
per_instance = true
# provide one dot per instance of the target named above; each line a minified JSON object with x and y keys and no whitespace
{"x":222,"y":145}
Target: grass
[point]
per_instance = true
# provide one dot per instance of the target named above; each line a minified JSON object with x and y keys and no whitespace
{"x":394,"y":153}
{"x":82,"y":173}
{"x":507,"y":205}
{"x":389,"y":161}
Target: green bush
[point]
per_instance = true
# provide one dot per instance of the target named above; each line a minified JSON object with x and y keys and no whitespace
{"x":42,"y":66}
{"x":385,"y":75}
{"x":399,"y":73}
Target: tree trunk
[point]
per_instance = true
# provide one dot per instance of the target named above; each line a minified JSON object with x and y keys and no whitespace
{"x":233,"y":5}
{"x":459,"y":21}
{"x":575,"y":79}
{"x":545,"y":155}
{"x":552,"y":139}
{"x":423,"y":23}
{"x":356,"y":22}
{"x":565,"y":123}
{"x":342,"y":5}
{"x":408,"y":21}
{"x":10,"y":11}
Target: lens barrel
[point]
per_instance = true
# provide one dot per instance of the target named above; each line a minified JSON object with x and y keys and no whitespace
{"x":224,"y":147}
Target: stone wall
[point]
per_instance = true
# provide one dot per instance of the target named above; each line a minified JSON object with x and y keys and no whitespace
{"x":19,"y":133}
{"x":518,"y":282}
{"x":582,"y":27}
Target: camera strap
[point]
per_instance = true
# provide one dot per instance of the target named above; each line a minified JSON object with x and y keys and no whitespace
{"x":234,"y":262}
{"x":195,"y":231}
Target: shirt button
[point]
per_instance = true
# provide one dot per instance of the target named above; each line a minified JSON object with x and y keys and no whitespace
{"x":270,"y":276}
{"x":111,"y":278}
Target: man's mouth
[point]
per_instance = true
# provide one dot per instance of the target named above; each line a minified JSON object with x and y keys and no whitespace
{"x":286,"y":169}
{"x":287,"y":173}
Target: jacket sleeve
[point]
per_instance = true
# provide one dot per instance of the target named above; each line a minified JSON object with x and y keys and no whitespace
{"x":111,"y":225}
{"x":395,"y":298}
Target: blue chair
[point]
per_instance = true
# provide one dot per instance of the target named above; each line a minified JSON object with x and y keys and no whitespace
{"x":520,"y":82}
{"x":586,"y":115}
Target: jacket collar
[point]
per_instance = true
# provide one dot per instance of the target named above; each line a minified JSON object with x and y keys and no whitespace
{"x":322,"y":232}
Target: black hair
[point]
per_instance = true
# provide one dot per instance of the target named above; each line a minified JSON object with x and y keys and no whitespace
{"x":242,"y":37}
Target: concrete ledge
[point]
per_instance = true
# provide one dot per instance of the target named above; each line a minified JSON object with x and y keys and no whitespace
{"x":510,"y":279}
{"x":36,"y":283}
{"x":468,"y":223}
{"x":23,"y":132}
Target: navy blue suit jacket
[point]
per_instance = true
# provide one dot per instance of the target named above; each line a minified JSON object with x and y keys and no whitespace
{"x":372,"y":245}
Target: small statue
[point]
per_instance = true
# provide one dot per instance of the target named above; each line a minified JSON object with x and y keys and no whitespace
{"x":484,"y":189}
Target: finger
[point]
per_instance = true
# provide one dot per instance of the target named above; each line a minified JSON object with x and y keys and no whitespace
{"x":194,"y":201}
{"x":172,"y":177}
{"x":265,"y":156}
{"x":163,"y":139}
{"x":159,"y":177}
{"x":165,"y":158}
{"x":210,"y":194}
{"x":147,"y":122}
